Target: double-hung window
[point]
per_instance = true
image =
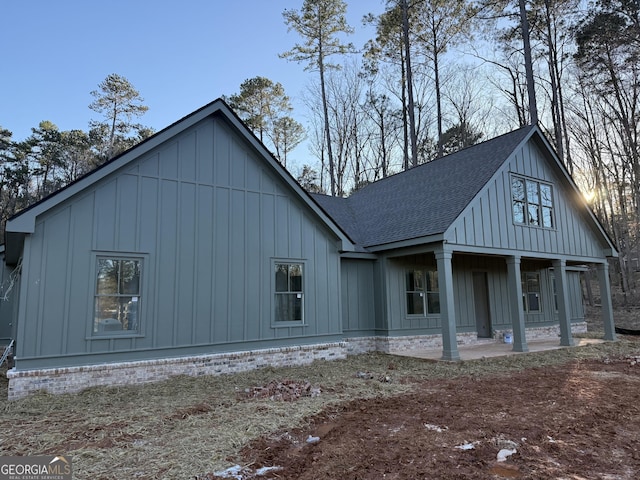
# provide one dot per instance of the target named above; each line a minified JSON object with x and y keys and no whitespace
{"x":117,"y":295}
{"x":289,"y":292}
{"x":532,"y":202}
{"x":422,"y":292}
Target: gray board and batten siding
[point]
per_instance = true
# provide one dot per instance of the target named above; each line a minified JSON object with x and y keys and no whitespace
{"x":463,"y":202}
{"x":487,"y":222}
{"x":199,"y":222}
{"x":368,"y":310}
{"x":207,"y":218}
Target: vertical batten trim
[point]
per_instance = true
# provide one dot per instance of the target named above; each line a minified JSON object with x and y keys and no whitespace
{"x":157,"y":261}
{"x":196,"y":250}
{"x":68,"y":289}
{"x":42,"y":288}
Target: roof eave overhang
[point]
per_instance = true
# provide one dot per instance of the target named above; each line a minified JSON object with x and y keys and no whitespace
{"x":13,"y":247}
{"x":408,"y":243}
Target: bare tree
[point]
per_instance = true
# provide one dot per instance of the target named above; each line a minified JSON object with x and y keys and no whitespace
{"x":319,"y":22}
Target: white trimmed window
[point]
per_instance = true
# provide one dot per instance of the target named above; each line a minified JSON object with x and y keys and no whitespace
{"x":117,"y":295}
{"x":289,"y":292}
{"x":422,"y":292}
{"x":532,"y":202}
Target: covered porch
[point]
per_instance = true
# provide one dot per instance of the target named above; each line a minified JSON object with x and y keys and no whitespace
{"x":468,"y":283}
{"x":518,"y":300}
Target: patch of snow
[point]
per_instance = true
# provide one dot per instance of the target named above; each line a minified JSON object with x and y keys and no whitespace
{"x":264,"y":470}
{"x":505,"y":453}
{"x":234,"y":472}
{"x":466,"y":446}
{"x":311,"y":439}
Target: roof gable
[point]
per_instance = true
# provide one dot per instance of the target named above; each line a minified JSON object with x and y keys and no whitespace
{"x":424,"y":200}
{"x":423,"y":203}
{"x":487,"y":221}
{"x":24,"y":221}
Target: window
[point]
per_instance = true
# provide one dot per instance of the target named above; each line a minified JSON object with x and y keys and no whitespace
{"x":117,"y":297}
{"x":422,"y":292}
{"x":531,"y":292}
{"x":532,"y":202}
{"x":289,"y":293}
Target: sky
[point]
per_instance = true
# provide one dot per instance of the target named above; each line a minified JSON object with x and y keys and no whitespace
{"x":178,"y":55}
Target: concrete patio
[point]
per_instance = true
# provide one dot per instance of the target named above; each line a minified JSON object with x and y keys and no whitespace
{"x":492,"y":348}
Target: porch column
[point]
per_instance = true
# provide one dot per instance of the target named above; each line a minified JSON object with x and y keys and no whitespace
{"x":562,"y":293}
{"x":447,"y":306}
{"x":514,"y":282}
{"x":605,"y":300}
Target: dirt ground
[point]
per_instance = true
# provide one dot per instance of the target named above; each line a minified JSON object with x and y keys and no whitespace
{"x":575,"y":421}
{"x":569,"y":414}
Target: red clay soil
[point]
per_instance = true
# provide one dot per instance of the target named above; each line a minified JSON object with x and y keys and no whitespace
{"x":576,"y":421}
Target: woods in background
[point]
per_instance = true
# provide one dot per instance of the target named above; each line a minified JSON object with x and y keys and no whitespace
{"x":437,"y":76}
{"x":49,"y":159}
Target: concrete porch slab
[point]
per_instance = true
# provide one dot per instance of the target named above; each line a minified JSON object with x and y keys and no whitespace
{"x":496,"y":349}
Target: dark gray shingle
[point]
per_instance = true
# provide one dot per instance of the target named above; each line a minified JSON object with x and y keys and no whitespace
{"x":424,"y":200}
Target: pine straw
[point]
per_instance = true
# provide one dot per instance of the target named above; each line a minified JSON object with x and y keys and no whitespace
{"x":186,"y":427}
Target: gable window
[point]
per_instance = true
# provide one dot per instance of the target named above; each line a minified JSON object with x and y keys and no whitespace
{"x":422,"y":292}
{"x":289,"y":292}
{"x":532,"y":202}
{"x":531,"y":292}
{"x":117,"y":295}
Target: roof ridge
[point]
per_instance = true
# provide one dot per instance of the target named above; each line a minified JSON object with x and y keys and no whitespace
{"x":445,"y":157}
{"x":426,"y":201}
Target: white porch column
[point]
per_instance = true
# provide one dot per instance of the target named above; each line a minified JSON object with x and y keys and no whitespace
{"x":515,"y":302}
{"x":447,"y":306}
{"x":562,"y":293}
{"x":605,"y":300}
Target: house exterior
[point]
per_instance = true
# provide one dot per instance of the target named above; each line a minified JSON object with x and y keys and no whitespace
{"x":195,"y":252}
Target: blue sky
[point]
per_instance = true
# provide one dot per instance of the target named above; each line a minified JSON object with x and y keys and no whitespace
{"x":179,"y":55}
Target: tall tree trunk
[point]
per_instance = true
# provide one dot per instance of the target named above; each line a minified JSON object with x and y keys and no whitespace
{"x":436,"y":70}
{"x":528,"y":64}
{"x":383,"y":142}
{"x":411,"y":106}
{"x":327,"y":130}
{"x":555,"y":100}
{"x":405,"y":125}
{"x":568,"y":159}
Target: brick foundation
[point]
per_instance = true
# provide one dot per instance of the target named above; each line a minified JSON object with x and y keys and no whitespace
{"x":539,"y":333}
{"x":358,"y":345}
{"x":75,"y":379}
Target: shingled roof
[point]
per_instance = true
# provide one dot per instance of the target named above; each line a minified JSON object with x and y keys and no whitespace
{"x":424,"y":200}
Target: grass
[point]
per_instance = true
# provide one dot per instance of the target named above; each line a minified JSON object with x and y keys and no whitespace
{"x":186,"y":427}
